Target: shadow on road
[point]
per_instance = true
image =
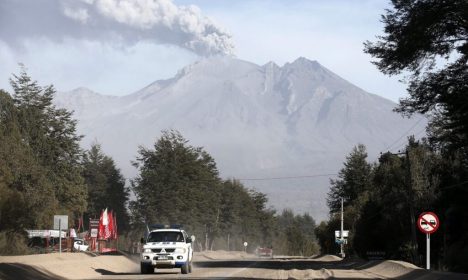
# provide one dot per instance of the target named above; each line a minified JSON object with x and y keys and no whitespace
{"x":15,"y":271}
{"x":273,"y":264}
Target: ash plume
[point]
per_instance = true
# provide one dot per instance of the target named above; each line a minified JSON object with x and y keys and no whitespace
{"x":118,"y":22}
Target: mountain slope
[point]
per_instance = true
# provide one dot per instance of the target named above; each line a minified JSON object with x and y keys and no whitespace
{"x":256,"y":121}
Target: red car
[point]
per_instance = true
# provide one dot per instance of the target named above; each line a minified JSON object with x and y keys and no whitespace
{"x":264,"y":252}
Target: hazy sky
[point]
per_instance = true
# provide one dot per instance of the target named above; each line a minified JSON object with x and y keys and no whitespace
{"x":119,"y":46}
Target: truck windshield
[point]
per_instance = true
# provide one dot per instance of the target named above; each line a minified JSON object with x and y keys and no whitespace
{"x":165,"y":236}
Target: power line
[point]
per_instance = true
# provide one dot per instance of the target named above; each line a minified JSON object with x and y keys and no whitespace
{"x":404,"y":144}
{"x":286,"y":177}
{"x":405,"y":134}
{"x":390,"y":205}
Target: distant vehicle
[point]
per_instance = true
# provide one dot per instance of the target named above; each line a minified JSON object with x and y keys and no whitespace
{"x":37,"y":242}
{"x":167,"y":247}
{"x":80,"y":245}
{"x":264,"y":252}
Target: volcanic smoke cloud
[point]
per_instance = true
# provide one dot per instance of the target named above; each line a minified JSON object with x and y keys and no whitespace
{"x":120,"y":22}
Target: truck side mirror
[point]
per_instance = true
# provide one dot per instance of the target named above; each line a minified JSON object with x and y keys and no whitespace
{"x":143,"y":241}
{"x":190,"y":239}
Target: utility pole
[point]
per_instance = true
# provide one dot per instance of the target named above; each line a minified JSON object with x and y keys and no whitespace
{"x":341,"y":232}
{"x":414,"y":243}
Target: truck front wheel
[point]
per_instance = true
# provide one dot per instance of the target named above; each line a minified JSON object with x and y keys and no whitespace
{"x":146,"y":269}
{"x":185,"y":268}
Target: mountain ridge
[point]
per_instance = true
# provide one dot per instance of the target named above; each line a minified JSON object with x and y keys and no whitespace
{"x":256,"y":121}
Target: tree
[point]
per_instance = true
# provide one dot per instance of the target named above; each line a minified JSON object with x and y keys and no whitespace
{"x":51,"y":134}
{"x":419,"y":35}
{"x":354,"y":179}
{"x":39,"y":161}
{"x":25,"y":189}
{"x":177,"y":183}
{"x":106,"y":186}
{"x":296,"y":234}
{"x":428,"y":39}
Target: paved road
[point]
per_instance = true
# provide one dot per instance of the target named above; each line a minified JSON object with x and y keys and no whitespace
{"x":206,"y":266}
{"x":259,"y":268}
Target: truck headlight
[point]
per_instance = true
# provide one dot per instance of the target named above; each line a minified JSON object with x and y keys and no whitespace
{"x":180,"y":250}
{"x":147,"y":251}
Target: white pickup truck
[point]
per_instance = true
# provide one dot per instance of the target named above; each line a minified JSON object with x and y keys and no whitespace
{"x":167,"y":248}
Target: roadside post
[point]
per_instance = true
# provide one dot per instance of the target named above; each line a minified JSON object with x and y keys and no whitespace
{"x":245,"y":246}
{"x":428,"y":223}
{"x":60,"y":221}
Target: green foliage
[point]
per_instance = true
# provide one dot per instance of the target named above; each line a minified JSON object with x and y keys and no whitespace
{"x":106,"y":187}
{"x":296,"y":234}
{"x":39,"y":156}
{"x":382,"y":219}
{"x":25,"y":189}
{"x":353,"y":180}
{"x":178,"y":184}
{"x":428,"y":40}
{"x":51,"y":135}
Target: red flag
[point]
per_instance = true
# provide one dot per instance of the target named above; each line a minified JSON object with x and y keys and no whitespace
{"x":110,"y":225}
{"x":104,"y":225}
{"x":115,"y":227}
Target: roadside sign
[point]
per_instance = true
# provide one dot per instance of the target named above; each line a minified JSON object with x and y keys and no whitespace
{"x":45,"y":233}
{"x":93,"y":227}
{"x":428,"y":222}
{"x":338,"y":233}
{"x":60,"y":222}
{"x":245,"y":244}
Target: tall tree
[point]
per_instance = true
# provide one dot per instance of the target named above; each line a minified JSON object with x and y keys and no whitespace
{"x":354,"y":179}
{"x":178,"y":183}
{"x":428,"y":40}
{"x":106,"y":186}
{"x":27,"y":196}
{"x":419,"y":36}
{"x":51,"y":134}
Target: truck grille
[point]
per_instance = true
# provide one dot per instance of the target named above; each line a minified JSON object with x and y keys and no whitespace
{"x":168,"y":250}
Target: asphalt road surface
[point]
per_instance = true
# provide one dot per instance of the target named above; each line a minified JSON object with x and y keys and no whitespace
{"x":211,"y":265}
{"x":289,"y":268}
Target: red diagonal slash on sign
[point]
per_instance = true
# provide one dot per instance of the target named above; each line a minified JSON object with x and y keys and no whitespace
{"x":432,"y":225}
{"x":428,"y":223}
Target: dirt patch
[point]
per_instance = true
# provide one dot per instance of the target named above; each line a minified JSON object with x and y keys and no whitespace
{"x":14,"y":271}
{"x":224,"y":255}
{"x":68,"y":265}
{"x":328,"y":258}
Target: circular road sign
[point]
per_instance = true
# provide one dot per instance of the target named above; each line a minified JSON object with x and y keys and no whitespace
{"x":428,"y":222}
{"x":245,"y":244}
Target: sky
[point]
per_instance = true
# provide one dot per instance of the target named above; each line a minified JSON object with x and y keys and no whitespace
{"x":117,"y":47}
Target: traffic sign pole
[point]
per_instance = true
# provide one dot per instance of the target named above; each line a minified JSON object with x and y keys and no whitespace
{"x":428,"y":223}
{"x":60,"y":237}
{"x":428,"y":251}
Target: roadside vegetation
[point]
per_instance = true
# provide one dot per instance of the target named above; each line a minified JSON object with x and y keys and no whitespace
{"x":428,"y":42}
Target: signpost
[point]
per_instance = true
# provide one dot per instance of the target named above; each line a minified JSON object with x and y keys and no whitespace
{"x":428,"y":223}
{"x":60,"y":221}
{"x":245,"y":246}
{"x":338,"y":233}
{"x":93,"y":229}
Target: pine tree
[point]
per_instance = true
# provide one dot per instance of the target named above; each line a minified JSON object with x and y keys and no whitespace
{"x":179,"y":183}
{"x":419,"y":37}
{"x":39,"y":154}
{"x":353,"y":180}
{"x":106,"y":186}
